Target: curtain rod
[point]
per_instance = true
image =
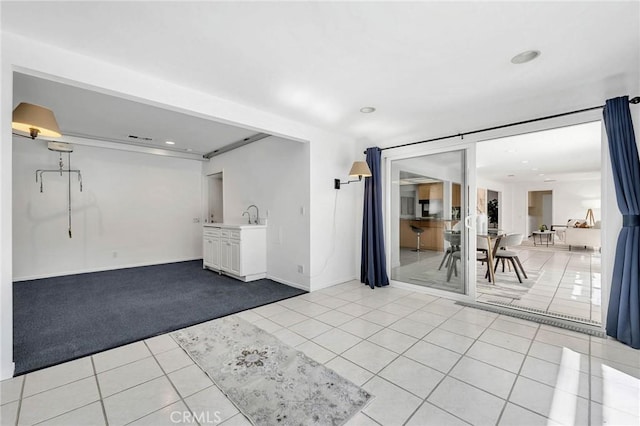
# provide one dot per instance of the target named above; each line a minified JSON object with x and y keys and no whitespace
{"x":635,"y":100}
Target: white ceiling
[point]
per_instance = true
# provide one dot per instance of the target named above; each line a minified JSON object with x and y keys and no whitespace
{"x":81,"y":112}
{"x":562,"y":154}
{"x":570,"y":153}
{"x":430,"y":68}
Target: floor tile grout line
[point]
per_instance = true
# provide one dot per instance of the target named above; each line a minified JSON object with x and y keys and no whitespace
{"x":18,"y":412}
{"x":518,"y":375}
{"x":66,"y":412}
{"x":447,"y":374}
{"x":172,"y":385}
{"x":400,"y":316}
{"x":532,"y":340}
{"x":95,"y":375}
{"x":55,"y":387}
{"x":558,"y":284}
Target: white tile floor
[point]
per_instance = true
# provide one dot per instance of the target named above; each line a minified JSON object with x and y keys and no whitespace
{"x":562,"y":282}
{"x":427,"y":361}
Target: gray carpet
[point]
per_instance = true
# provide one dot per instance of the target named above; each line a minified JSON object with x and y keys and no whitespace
{"x":63,"y":318}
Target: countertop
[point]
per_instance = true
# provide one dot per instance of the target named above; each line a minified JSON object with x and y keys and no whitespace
{"x":233,"y":226}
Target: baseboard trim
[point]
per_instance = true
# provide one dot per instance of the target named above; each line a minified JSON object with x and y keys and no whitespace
{"x":332,"y":283}
{"x":7,"y":371}
{"x":103,"y":268}
{"x":289,"y":283}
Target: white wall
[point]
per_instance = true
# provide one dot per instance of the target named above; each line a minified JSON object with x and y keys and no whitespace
{"x":214,"y":184}
{"x":273,"y":174}
{"x":332,"y":255}
{"x":505,"y":200}
{"x":570,"y":201}
{"x":135,"y":209}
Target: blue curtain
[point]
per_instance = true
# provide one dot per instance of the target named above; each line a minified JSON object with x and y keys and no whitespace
{"x":623,"y":316}
{"x":373,"y":269}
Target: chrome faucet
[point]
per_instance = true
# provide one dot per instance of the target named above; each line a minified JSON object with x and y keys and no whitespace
{"x":248,"y":214}
{"x":257,"y":214}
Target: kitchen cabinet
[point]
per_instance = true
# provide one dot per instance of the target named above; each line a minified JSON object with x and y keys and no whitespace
{"x":430,"y":191}
{"x":455,"y":195}
{"x":432,"y":237}
{"x":239,"y":251}
{"x":424,"y":191}
{"x":211,"y":248}
{"x":435,"y":191}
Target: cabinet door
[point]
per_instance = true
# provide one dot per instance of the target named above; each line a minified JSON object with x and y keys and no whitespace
{"x":211,"y":252}
{"x":224,"y":254}
{"x":436,"y":191}
{"x":234,"y":257}
{"x":424,"y":191}
{"x":214,"y":258}
{"x":455,"y":195}
{"x":207,"y":247}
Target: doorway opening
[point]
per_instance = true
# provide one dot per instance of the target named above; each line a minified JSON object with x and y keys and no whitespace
{"x":215,"y":198}
{"x":545,"y":183}
{"x":539,"y":211}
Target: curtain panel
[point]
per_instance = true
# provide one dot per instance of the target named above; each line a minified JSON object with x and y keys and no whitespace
{"x":373,"y":267}
{"x":623,"y":315}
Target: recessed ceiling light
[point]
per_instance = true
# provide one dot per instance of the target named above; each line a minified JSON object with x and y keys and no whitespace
{"x":511,"y":151}
{"x":367,"y":110}
{"x":170,"y":143}
{"x":189,"y":150}
{"x":524,"y":57}
{"x":534,"y":169}
{"x":549,"y":180}
{"x":541,"y":174}
{"x":525,"y":161}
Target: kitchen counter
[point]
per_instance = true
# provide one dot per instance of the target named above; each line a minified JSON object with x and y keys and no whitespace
{"x":432,"y":237}
{"x":233,"y":226}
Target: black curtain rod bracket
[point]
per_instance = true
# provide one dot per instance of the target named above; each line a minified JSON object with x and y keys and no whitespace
{"x":634,"y":100}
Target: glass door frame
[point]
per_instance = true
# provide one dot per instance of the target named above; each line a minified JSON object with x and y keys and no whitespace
{"x":468,"y":199}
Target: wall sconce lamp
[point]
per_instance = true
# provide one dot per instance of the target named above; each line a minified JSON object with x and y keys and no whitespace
{"x":35,"y":120}
{"x":359,"y":169}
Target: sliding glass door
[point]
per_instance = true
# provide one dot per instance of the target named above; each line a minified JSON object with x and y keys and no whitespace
{"x":429,"y":220}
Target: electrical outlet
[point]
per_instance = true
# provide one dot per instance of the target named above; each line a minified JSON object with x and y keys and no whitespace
{"x":301,"y":269}
{"x":196,"y":220}
{"x":302,"y":211}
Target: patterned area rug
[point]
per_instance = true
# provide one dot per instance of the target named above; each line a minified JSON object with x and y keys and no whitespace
{"x":507,"y":285}
{"x":270,"y":382}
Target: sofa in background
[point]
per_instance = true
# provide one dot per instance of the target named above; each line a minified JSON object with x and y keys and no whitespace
{"x":587,"y":237}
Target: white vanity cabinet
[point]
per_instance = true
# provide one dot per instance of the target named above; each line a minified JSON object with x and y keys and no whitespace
{"x":239,"y":251}
{"x":211,"y":248}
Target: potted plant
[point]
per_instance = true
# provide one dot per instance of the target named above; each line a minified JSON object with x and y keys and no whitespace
{"x":492,"y":212}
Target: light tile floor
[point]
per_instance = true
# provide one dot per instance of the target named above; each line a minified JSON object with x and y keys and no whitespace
{"x":427,"y":361}
{"x":562,"y":282}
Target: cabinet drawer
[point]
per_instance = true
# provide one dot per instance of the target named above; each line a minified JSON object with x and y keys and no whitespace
{"x":234,"y":234}
{"x":211,"y":233}
{"x":224,"y":233}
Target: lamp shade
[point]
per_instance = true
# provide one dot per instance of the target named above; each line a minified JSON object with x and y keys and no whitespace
{"x":35,"y":120}
{"x":360,"y":169}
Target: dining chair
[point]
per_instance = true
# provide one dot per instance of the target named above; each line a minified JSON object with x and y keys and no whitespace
{"x":453,"y":238}
{"x":503,"y":254}
{"x":484,"y":254}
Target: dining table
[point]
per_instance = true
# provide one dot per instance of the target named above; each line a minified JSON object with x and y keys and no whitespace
{"x":493,"y":243}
